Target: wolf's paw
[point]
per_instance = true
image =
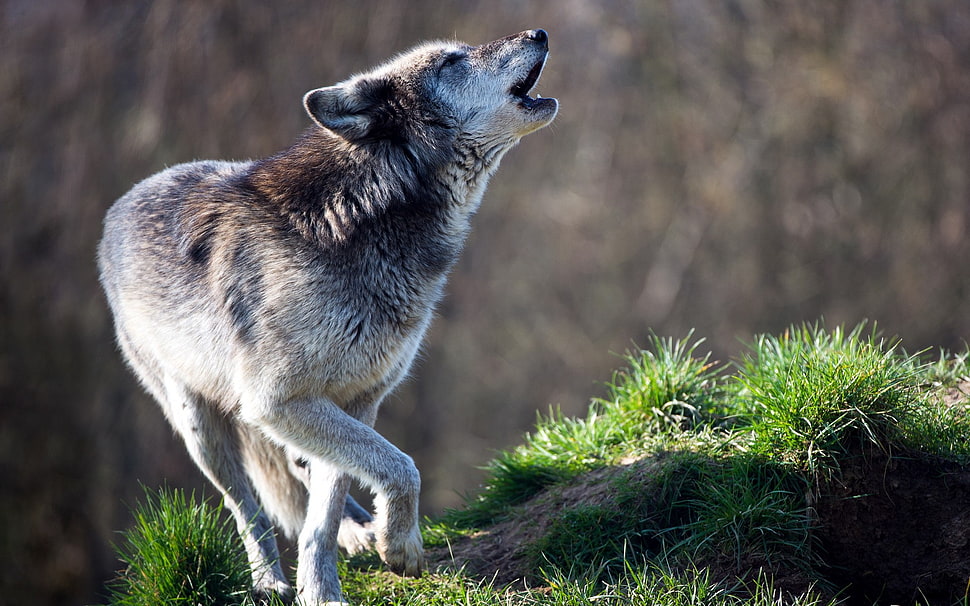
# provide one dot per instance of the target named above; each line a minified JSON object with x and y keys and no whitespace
{"x":264,"y":592}
{"x":403,"y":554}
{"x":355,"y":537}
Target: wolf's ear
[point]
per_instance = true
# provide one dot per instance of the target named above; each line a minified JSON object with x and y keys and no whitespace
{"x":340,"y":109}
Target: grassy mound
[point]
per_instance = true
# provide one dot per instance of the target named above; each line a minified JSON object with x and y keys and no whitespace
{"x":821,"y":466}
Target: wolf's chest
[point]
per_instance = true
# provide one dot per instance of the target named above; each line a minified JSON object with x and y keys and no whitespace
{"x":346,"y":342}
{"x":364,"y":357}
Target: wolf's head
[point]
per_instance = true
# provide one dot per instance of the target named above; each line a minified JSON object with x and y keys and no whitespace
{"x":442,"y":93}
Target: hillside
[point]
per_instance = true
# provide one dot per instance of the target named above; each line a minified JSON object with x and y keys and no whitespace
{"x":820,"y":466}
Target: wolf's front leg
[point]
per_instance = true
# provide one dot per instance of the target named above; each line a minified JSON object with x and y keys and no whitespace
{"x":324,"y":431}
{"x":398,"y":537}
{"x":316,"y":575}
{"x":356,"y":533}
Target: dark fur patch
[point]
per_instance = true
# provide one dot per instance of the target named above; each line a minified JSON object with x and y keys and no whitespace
{"x":244,"y":294}
{"x":388,"y":113}
{"x":199,"y":246}
{"x":198,"y":216}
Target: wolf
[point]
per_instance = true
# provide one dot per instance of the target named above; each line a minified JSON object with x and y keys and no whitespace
{"x":269,"y":306}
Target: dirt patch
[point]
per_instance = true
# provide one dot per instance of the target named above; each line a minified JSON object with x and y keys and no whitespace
{"x":958,"y":396}
{"x":501,"y":553}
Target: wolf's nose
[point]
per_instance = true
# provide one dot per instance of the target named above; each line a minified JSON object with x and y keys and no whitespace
{"x":538,"y":35}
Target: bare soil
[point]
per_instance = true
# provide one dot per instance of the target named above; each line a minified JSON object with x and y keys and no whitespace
{"x":500,"y":553}
{"x":894,"y":528}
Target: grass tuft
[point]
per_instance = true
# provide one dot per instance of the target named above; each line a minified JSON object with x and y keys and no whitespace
{"x":810,"y":392}
{"x":749,"y":510}
{"x":664,"y":388}
{"x":180,"y":551}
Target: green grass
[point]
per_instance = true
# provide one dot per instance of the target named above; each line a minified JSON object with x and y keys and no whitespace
{"x":810,"y":392}
{"x":637,"y":585}
{"x":708,"y":468}
{"x":180,"y":551}
{"x":746,"y":509}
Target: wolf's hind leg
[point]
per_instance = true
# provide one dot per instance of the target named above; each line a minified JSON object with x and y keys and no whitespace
{"x":213,"y":443}
{"x":356,"y":534}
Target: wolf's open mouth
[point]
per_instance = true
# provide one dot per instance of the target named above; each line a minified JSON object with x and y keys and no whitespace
{"x":522,"y":88}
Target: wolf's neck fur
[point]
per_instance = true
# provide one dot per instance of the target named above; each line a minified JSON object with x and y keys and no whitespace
{"x":384,"y":205}
{"x":329,"y":190}
{"x":476,"y":162}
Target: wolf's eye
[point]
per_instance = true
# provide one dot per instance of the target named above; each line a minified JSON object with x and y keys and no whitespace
{"x":451,"y":59}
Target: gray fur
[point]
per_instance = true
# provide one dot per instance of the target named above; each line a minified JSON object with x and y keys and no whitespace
{"x":269,"y":306}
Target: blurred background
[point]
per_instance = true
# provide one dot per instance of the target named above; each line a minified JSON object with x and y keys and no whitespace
{"x":729,"y":166}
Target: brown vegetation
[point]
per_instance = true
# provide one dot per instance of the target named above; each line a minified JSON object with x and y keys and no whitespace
{"x":730,"y":166}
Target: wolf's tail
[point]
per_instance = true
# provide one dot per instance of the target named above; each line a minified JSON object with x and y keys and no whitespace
{"x":282,"y":494}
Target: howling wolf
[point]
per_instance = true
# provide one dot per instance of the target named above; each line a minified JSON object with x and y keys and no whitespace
{"x":269,"y":306}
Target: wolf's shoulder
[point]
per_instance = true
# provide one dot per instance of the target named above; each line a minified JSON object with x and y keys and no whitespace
{"x":182,"y":206}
